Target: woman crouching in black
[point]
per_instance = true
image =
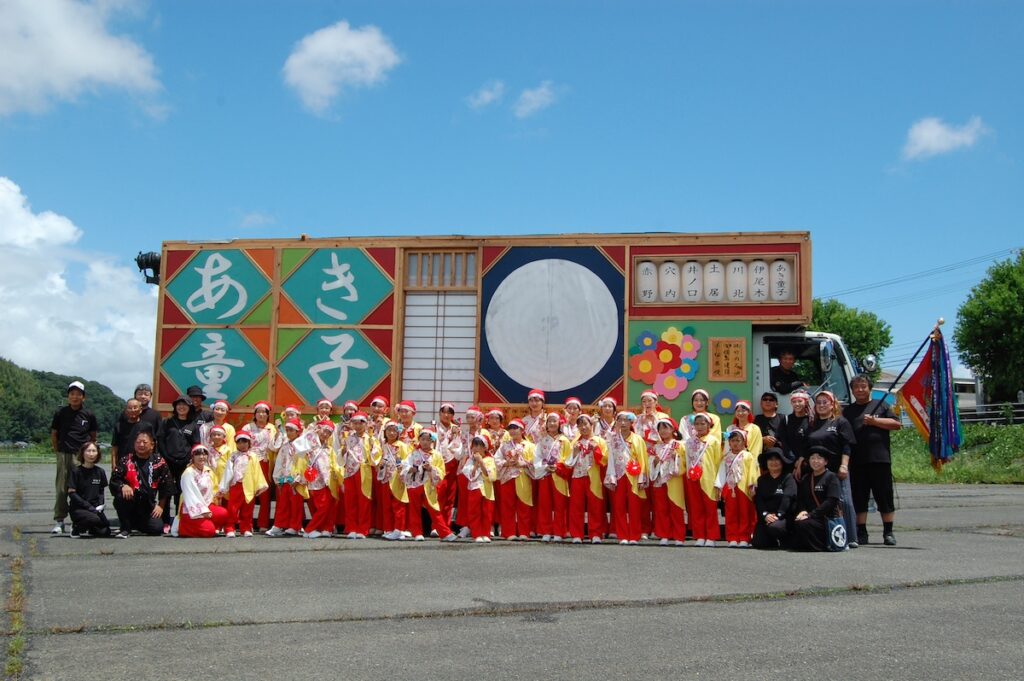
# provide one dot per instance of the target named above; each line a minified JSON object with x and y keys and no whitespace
{"x":817,"y":501}
{"x":774,"y":498}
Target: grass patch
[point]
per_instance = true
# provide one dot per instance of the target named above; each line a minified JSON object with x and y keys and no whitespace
{"x":990,"y":454}
{"x":14,"y":665}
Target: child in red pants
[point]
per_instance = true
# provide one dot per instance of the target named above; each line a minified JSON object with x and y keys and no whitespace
{"x":240,"y":484}
{"x":515,"y":500}
{"x":703,"y":457}
{"x":666,"y":488}
{"x":586,"y":493}
{"x":551,"y":497}
{"x":200,"y":516}
{"x":289,"y":512}
{"x":479,"y":472}
{"x":317,"y":480}
{"x":626,"y":478}
{"x":393,"y":500}
{"x":358,"y":454}
{"x":736,"y":480}
{"x":422,"y":470}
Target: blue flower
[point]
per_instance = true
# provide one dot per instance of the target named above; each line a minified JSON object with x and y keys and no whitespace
{"x":725,"y":401}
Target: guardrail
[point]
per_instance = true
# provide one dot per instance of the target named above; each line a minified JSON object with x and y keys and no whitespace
{"x":999,"y":413}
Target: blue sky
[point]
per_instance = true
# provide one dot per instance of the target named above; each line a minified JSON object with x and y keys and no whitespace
{"x":891,"y":131}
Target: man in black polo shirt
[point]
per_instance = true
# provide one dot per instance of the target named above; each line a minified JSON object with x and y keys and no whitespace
{"x":73,"y":426}
{"x":871,"y":463}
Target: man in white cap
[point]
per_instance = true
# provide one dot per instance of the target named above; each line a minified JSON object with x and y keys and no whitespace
{"x":73,"y":426}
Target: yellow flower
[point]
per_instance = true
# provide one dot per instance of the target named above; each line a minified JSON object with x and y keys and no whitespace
{"x":672,"y":336}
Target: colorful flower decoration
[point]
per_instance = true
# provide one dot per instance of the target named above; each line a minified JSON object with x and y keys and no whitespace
{"x":672,"y":336}
{"x":725,"y":401}
{"x":670,"y":385}
{"x":688,"y":369}
{"x":645,"y":367}
{"x":668,"y":355}
{"x":689,"y":346}
{"x":646,"y":341}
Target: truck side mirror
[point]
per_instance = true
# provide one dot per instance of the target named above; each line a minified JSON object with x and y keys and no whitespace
{"x":869,"y":363}
{"x":825,"y":355}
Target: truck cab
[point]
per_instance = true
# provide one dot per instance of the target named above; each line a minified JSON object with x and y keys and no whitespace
{"x":823,"y":362}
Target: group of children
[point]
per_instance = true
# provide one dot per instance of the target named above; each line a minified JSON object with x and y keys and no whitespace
{"x":557,"y":476}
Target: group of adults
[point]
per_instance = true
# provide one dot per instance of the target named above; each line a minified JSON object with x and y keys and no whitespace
{"x":554,"y":475}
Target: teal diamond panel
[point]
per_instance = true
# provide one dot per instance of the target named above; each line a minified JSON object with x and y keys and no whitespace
{"x":219,"y":360}
{"x":337,"y":286}
{"x":336,"y":364}
{"x":218,"y":287}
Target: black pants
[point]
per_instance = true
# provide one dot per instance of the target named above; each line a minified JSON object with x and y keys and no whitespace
{"x":135,"y":515}
{"x":84,"y":521}
{"x":771,"y":536}
{"x":176,"y":470}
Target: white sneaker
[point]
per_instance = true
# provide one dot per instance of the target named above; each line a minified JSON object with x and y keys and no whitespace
{"x":290,"y":533}
{"x":743,"y":544}
{"x":709,"y":544}
{"x":663,"y":542}
{"x":57,"y":529}
{"x":464,"y":532}
{"x":480,"y":540}
{"x":644,"y":536}
{"x":418,"y":537}
{"x":392,"y":535}
{"x":487,"y":540}
{"x":623,"y":543}
{"x":546,"y":538}
{"x":230,"y":535}
{"x":451,"y":537}
{"x":360,"y":535}
{"x":313,"y":535}
{"x":513,"y":538}
{"x":275,"y":531}
{"x":556,"y":538}
{"x":633,"y":542}
{"x":523,"y":537}
{"x":406,"y":534}
{"x":680,"y":543}
{"x":433,"y":533}
{"x":352,"y":535}
{"x":700,"y":542}
{"x":247,"y":533}
{"x":732,"y":545}
{"x":577,"y":540}
{"x":595,"y":540}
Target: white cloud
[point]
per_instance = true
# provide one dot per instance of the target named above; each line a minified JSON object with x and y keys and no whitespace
{"x":57,"y":49}
{"x":489,"y":93}
{"x":930,"y":137}
{"x":533,"y":101}
{"x":328,"y":61}
{"x":101,"y":329}
{"x":256,"y":219}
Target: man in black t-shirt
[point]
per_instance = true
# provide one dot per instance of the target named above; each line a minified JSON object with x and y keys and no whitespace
{"x":148,"y":415}
{"x":129,"y":425}
{"x":871,"y":462}
{"x":73,"y":426}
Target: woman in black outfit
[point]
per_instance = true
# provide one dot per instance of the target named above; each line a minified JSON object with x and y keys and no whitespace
{"x":774,"y":499}
{"x":817,"y":501}
{"x":178,"y":434}
{"x":85,"y":494}
{"x":835,"y":434}
{"x":798,"y":425}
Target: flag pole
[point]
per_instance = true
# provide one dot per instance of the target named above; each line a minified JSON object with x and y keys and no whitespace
{"x":930,"y":337}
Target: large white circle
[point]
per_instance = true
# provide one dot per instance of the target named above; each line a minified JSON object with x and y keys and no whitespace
{"x":552,"y":324}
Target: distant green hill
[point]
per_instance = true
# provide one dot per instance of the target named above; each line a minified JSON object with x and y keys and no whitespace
{"x":28,"y":400}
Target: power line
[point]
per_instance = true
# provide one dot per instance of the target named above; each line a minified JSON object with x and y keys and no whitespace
{"x":918,"y":275}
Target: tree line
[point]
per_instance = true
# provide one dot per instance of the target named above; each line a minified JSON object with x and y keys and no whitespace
{"x":29,"y":398}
